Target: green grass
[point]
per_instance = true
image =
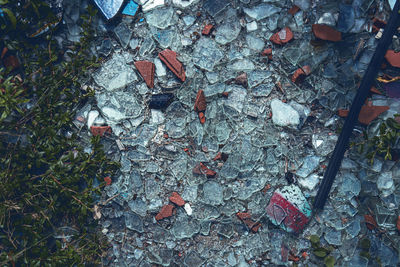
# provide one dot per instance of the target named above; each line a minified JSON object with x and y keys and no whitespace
{"x":46,"y":179}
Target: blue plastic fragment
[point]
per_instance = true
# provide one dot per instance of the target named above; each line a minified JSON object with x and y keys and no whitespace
{"x":130,"y":9}
{"x":109,"y":8}
{"x":1,"y":13}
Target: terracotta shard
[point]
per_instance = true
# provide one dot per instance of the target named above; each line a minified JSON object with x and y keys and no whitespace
{"x":200,"y":103}
{"x":100,"y":130}
{"x":327,"y":33}
{"x":267,"y":53}
{"x":282,"y":37}
{"x":393,"y":58}
{"x":375,"y":90}
{"x":370,"y":222}
{"x":293,"y":10}
{"x":165,"y":212}
{"x":300,"y":74}
{"x":398,"y":223}
{"x":176,"y":199}
{"x":207,"y":29}
{"x":202,"y":117}
{"x":146,"y":69}
{"x":169,"y":58}
{"x":367,"y":113}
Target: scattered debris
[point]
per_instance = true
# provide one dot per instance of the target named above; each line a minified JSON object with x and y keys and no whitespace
{"x":282,"y":37}
{"x":100,"y":130}
{"x":169,"y":58}
{"x":165,"y":212}
{"x":146,"y":69}
{"x":327,"y":33}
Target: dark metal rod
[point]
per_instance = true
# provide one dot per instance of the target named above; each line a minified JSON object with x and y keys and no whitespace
{"x":362,"y":93}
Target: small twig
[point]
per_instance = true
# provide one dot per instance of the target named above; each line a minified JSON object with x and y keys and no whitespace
{"x":108,"y":200}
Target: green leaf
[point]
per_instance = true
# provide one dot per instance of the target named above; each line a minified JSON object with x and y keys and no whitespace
{"x":329,"y":261}
{"x":11,"y":16}
{"x":3,"y":2}
{"x":320,"y":252}
{"x":314,"y":239}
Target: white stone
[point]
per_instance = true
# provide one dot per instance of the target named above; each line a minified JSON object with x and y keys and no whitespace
{"x":251,"y":26}
{"x":93,"y":114}
{"x":283,"y":114}
{"x":188,"y":209}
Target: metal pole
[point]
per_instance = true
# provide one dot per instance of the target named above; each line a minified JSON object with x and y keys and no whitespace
{"x":362,"y":93}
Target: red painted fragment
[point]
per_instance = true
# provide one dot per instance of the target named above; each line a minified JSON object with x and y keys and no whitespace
{"x":284,"y":212}
{"x":207,"y":29}
{"x":375,"y":91}
{"x":393,"y":58}
{"x":204,"y":169}
{"x":100,"y":130}
{"x":225,"y":94}
{"x":327,"y":33}
{"x":169,"y":58}
{"x":282,"y":37}
{"x":200,"y":104}
{"x":176,"y":199}
{"x":165,"y":212}
{"x":146,"y":69}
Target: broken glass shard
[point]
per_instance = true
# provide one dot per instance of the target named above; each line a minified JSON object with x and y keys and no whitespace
{"x":212,"y":193}
{"x":214,"y":7}
{"x":133,"y":222}
{"x":130,"y":9}
{"x":109,"y":8}
{"x":124,"y":34}
{"x":227,"y":32}
{"x":161,"y":18}
{"x":261,"y":11}
{"x":206,"y":54}
{"x":116,"y":73}
{"x":310,"y":164}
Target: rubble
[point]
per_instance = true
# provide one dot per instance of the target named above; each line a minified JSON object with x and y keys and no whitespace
{"x":225,"y":140}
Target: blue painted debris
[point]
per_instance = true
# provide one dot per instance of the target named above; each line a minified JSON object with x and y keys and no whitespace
{"x":130,"y":9}
{"x":109,"y":8}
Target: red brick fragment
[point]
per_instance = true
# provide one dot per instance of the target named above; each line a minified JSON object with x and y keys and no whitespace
{"x":11,"y":62}
{"x":225,"y":94}
{"x":367,"y":113}
{"x":256,"y":227}
{"x":202,"y":117}
{"x":146,"y":69}
{"x":169,"y":58}
{"x":207,"y":29}
{"x":165,"y":212}
{"x":293,"y":10}
{"x":293,"y":258}
{"x":243,"y":215}
{"x":241,"y":79}
{"x":267,"y":53}
{"x":100,"y":130}
{"x":176,"y":199}
{"x":200,"y":103}
{"x":327,"y":33}
{"x":282,"y":37}
{"x":209,"y":173}
{"x":221,"y":156}
{"x":107,"y":180}
{"x":300,"y":74}
{"x":393,"y":58}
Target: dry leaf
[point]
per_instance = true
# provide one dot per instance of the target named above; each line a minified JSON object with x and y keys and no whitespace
{"x":97,"y":213}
